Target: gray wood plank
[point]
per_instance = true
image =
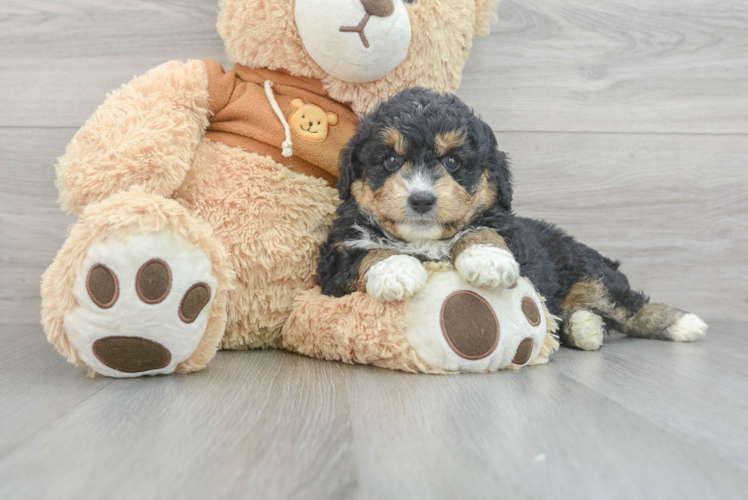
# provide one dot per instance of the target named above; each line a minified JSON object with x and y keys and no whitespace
{"x":613,"y":66}
{"x":671,"y":207}
{"x":618,"y":423}
{"x":59,"y":59}
{"x":636,"y":66}
{"x":264,"y":424}
{"x":694,"y":391}
{"x":37,"y":386}
{"x":532,"y":434}
{"x":32,"y":227}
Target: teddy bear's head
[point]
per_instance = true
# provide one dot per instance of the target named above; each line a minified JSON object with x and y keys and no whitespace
{"x":362,"y":50}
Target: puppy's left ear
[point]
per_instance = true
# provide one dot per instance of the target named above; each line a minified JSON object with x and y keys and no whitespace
{"x":350,"y":166}
{"x":499,"y":170}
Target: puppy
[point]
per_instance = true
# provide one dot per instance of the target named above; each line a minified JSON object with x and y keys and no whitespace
{"x":424,"y":180}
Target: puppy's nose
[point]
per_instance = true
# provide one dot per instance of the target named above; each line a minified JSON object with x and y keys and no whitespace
{"x":379,"y":8}
{"x":422,"y":201}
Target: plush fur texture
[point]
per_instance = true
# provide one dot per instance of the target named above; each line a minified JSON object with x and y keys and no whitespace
{"x":420,"y":145}
{"x":144,"y":134}
{"x":272,"y":221}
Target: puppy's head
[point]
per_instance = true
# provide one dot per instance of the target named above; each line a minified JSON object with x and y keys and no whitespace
{"x":423,"y":165}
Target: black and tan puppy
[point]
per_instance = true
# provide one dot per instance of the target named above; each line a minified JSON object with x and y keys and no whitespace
{"x":423,"y":179}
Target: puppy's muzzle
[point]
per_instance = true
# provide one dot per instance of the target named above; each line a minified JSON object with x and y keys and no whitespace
{"x":422,"y":202}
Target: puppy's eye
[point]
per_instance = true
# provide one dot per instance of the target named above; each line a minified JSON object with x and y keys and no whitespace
{"x":451,"y":164}
{"x":393,"y":162}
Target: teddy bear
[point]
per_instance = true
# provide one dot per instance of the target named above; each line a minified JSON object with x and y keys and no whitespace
{"x":203,"y":195}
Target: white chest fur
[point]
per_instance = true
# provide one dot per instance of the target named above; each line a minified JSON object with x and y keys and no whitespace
{"x":429,"y":248}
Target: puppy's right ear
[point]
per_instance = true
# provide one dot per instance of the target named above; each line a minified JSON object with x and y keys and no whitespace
{"x":351,"y":167}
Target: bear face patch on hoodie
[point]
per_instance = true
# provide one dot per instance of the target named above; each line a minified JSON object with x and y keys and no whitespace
{"x":273,"y":113}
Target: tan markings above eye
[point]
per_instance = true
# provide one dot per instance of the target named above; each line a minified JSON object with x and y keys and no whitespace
{"x":448,"y":141}
{"x":393,"y":138}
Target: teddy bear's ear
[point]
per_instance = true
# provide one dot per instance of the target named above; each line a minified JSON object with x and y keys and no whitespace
{"x":332,"y":118}
{"x":485,"y":16}
{"x":297,"y":103}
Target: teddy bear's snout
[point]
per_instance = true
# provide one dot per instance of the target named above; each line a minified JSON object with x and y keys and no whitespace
{"x":378,"y":8}
{"x":356,"y":41}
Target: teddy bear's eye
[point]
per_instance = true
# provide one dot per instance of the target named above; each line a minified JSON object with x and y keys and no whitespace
{"x":303,"y":116}
{"x":318,"y":123}
{"x":450,"y":163}
{"x":393,"y":162}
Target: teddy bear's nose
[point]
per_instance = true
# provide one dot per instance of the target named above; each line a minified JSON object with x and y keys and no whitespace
{"x":310,"y":124}
{"x":379,"y":8}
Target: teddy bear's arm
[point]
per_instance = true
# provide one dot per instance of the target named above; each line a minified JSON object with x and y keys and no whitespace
{"x":143,"y":134}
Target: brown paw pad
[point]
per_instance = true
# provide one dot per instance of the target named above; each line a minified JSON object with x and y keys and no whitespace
{"x":102,"y":286}
{"x":153,"y":282}
{"x":524,"y":351}
{"x":193,"y":302}
{"x":531,"y":311}
{"x":131,"y":354}
{"x":469,"y":325}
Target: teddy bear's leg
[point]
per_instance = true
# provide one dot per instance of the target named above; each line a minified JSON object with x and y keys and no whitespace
{"x":449,"y":326}
{"x":138,"y":288}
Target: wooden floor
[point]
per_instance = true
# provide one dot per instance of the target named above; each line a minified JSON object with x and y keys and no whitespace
{"x":638,"y":419}
{"x":627,"y":121}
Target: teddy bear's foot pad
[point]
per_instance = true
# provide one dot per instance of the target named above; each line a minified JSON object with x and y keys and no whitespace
{"x":142,"y":304}
{"x":131,"y":354}
{"x":455,"y":327}
{"x":469,"y":325}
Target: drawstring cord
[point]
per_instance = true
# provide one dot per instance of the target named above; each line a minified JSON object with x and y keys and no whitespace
{"x":287,"y":144}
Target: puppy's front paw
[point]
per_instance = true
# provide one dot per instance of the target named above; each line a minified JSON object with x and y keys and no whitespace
{"x":487,"y":266}
{"x":395,"y":278}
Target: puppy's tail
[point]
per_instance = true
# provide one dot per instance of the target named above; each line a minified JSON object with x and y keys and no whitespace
{"x":629,"y":311}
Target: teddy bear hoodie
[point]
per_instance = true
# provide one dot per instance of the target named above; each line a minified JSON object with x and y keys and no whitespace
{"x":272,"y":113}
